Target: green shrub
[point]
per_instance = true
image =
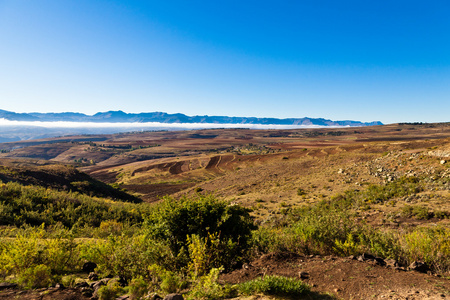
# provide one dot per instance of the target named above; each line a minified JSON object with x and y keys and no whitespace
{"x":421,"y":213}
{"x":173,"y":221}
{"x":69,"y":280}
{"x":318,"y":231}
{"x":275,"y":285}
{"x":418,"y":212}
{"x":38,"y":276}
{"x":165,"y":280}
{"x":57,"y":252}
{"x":207,"y":287}
{"x":201,"y":253}
{"x":32,"y":205}
{"x":347,"y":247}
{"x":124,"y":256}
{"x":110,"y":291}
{"x":407,"y":211}
{"x":110,"y":227}
{"x":266,"y":239}
{"x":138,"y":288}
{"x":322,"y":229}
{"x":431,"y":245}
{"x":401,"y":187}
{"x":441,"y":214}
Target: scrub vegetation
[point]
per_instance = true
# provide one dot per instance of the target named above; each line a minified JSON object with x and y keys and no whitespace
{"x":185,"y":244}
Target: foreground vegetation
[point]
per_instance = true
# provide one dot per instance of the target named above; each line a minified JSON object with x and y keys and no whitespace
{"x":183,"y":245}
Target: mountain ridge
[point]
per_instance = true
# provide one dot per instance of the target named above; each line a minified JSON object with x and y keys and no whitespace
{"x":162,"y":117}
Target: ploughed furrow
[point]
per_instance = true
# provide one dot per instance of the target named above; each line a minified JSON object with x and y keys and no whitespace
{"x":176,"y":168}
{"x":226,"y":161}
{"x":213,"y":161}
{"x":154,"y":192}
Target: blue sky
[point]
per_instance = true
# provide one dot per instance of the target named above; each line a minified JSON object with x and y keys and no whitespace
{"x":358,"y":60}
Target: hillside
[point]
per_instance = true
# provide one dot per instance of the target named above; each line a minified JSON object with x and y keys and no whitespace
{"x":354,"y":213}
{"x":58,"y":177}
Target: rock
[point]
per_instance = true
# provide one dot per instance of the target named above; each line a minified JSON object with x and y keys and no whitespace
{"x":93,"y":276}
{"x":82,"y":284}
{"x":379,"y":261}
{"x":365,"y":257}
{"x":304,"y":275}
{"x":97,"y":287}
{"x":89,"y":267}
{"x":370,"y":258}
{"x":442,"y":162}
{"x":174,"y":297}
{"x":86,"y":291}
{"x":124,"y":297}
{"x":60,"y":286}
{"x":101,"y":282}
{"x":419,"y":266}
{"x":392,"y":263}
{"x":7,"y":285}
{"x":153,"y":296}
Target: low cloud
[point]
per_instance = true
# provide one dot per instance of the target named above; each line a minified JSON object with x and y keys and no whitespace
{"x":145,"y":126}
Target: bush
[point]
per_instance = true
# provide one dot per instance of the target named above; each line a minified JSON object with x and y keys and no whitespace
{"x":38,"y":276}
{"x":322,"y":229}
{"x":165,"y":280}
{"x":138,"y":288}
{"x":173,"y":221}
{"x":318,"y":231}
{"x":110,"y":291}
{"x":110,"y":227}
{"x":57,"y":252}
{"x":442,"y":214}
{"x":418,"y":212}
{"x":124,"y":256}
{"x":207,"y":287}
{"x":401,"y":187}
{"x":431,"y":245}
{"x":32,"y":205}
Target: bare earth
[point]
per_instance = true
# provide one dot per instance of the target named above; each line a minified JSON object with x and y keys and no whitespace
{"x":346,"y":278}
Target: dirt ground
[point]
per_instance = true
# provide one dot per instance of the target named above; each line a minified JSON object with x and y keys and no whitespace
{"x":346,"y":278}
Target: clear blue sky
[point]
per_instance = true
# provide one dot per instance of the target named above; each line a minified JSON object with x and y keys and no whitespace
{"x":359,"y":60}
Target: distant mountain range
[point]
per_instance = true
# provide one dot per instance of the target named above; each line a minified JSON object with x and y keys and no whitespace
{"x":161,"y":117}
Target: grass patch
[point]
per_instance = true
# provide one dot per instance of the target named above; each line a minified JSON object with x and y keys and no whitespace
{"x":274,"y":285}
